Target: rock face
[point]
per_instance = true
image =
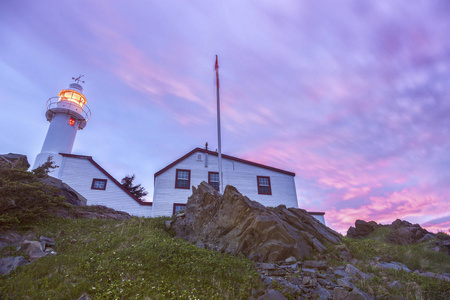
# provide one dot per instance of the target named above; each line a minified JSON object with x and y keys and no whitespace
{"x":401,"y":232}
{"x":361,"y":229}
{"x":72,"y":196}
{"x":234,"y":224}
{"x":405,"y":233}
{"x":12,"y":160}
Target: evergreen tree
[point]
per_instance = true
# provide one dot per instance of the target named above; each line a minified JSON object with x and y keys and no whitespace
{"x":43,"y":170}
{"x":136,"y":190}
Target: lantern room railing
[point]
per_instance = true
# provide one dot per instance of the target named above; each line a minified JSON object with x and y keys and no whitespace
{"x":52,"y":105}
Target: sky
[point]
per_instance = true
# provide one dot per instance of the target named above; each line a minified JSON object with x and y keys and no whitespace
{"x":353,"y":96}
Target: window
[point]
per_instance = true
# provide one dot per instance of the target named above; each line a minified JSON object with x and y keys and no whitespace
{"x":264,"y":185}
{"x":98,"y":184}
{"x":177,"y":207}
{"x":71,"y":121}
{"x":213,"y":179}
{"x":182,"y":179}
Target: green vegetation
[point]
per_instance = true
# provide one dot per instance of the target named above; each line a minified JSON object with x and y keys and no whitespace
{"x":107,"y":259}
{"x":415,"y":257}
{"x":24,"y":199}
{"x":140,"y":259}
{"x":137,"y":190}
{"x":132,"y":259}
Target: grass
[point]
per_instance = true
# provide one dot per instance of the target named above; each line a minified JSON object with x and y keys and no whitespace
{"x":415,"y":257}
{"x":132,"y":259}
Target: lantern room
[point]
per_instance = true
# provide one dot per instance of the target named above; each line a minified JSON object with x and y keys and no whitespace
{"x":73,"y":96}
{"x":72,"y":102}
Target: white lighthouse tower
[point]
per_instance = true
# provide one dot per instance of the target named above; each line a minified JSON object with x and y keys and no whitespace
{"x":67,"y":114}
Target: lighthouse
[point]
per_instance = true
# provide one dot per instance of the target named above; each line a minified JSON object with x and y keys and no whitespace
{"x":67,"y":113}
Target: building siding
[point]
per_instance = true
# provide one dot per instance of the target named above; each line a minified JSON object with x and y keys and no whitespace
{"x":238,"y":174}
{"x":78,"y":173}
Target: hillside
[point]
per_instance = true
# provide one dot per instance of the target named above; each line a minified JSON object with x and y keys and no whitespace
{"x":96,"y":253}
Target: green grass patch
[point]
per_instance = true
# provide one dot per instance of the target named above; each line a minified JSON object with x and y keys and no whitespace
{"x":132,"y":259}
{"x":415,"y":257}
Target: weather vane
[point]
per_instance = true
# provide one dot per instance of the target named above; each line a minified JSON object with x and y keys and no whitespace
{"x":78,"y":79}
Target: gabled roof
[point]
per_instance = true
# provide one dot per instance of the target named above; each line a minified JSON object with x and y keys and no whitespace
{"x":223,"y":156}
{"x":89,"y":158}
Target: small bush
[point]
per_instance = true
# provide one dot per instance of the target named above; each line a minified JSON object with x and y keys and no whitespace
{"x":24,"y":199}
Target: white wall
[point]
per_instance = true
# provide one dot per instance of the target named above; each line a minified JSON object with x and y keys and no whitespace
{"x":240,"y":175}
{"x":78,"y":174}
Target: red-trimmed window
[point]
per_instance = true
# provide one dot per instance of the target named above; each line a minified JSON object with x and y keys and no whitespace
{"x":213,"y":179}
{"x":98,"y":184}
{"x":264,"y":185}
{"x":177,"y":207}
{"x":182,"y":179}
{"x":71,"y":121}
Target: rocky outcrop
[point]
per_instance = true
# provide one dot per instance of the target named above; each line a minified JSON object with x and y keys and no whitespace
{"x":299,"y":279}
{"x":33,"y":250}
{"x":401,"y":232}
{"x":361,"y":229}
{"x":405,"y":233}
{"x":72,"y":196}
{"x":234,"y":224}
{"x":14,"y":161}
{"x":315,"y":279}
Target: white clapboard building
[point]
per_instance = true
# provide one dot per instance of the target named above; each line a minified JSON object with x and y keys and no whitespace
{"x":267,"y":185}
{"x":67,"y":114}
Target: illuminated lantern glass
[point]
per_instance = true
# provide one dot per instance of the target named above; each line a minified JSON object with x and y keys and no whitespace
{"x":73,"y":96}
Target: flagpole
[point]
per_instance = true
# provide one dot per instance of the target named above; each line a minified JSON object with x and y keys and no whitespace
{"x":218,"y":128}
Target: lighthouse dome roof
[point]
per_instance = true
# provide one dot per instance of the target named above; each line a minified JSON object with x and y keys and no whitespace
{"x":76,"y":86}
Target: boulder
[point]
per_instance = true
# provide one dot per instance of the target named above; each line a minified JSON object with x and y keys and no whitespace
{"x":33,"y":250}
{"x":340,"y":293}
{"x":9,"y":264}
{"x":272,"y":295}
{"x":72,"y":196}
{"x":234,"y":224}
{"x":405,"y":233}
{"x":361,"y":229}
{"x":14,"y":161}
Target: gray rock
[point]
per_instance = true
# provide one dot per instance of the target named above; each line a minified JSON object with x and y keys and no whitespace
{"x":294,"y":280}
{"x":266,"y":279}
{"x":266,"y":266}
{"x":393,"y":265}
{"x":340,"y":293}
{"x":290,"y":259}
{"x":322,"y":292}
{"x":310,"y":272}
{"x":9,"y":264}
{"x":356,"y":294}
{"x":32,"y":249}
{"x":14,"y":161}
{"x":361,"y":229}
{"x":71,"y":195}
{"x":341,"y":273}
{"x":405,"y":233}
{"x":234,"y":224}
{"x":272,"y":295}
{"x":321,"y":265}
{"x":352,"y":270}
{"x":426,"y":238}
{"x":46,"y":242}
{"x":395,"y":285}
{"x":428,"y":274}
{"x":290,"y":288}
{"x":323,"y":282}
{"x":345,"y":283}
